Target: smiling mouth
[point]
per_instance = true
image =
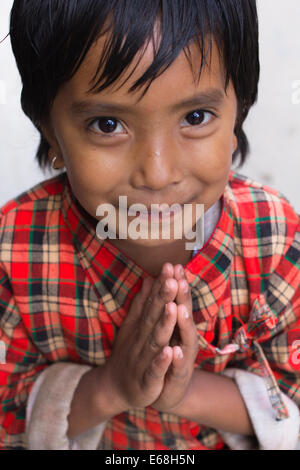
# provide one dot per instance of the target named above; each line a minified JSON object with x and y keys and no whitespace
{"x":160,"y":214}
{"x":156,"y":212}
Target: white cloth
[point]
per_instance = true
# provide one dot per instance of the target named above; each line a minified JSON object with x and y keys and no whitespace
{"x":51,"y":396}
{"x":270,"y":434}
{"x":48,"y":407}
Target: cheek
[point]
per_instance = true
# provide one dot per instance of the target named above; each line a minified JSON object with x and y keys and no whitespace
{"x":213,"y":158}
{"x":93,"y":168}
{"x":93,"y":179}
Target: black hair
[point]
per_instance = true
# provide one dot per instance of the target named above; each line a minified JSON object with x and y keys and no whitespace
{"x":50,"y":39}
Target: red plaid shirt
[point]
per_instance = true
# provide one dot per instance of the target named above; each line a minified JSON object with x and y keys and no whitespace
{"x":64,"y":294}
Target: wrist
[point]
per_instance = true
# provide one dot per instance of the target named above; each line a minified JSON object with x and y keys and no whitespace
{"x":91,"y":404}
{"x":109,"y":399}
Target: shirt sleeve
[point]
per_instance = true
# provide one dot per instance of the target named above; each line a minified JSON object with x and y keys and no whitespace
{"x":21,"y":364}
{"x":35,"y":396}
{"x":269,"y":346}
{"x":270,"y":434}
{"x":48,"y":408}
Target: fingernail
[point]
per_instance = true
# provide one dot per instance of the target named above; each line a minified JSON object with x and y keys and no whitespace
{"x":165,"y":269}
{"x":179,"y":353}
{"x":186,"y":313}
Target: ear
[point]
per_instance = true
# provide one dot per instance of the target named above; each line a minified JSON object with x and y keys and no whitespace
{"x":49,"y":135}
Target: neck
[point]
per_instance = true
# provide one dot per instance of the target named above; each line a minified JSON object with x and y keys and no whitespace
{"x":152,"y":259}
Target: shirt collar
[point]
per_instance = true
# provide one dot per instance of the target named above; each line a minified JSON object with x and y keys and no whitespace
{"x":117,"y":278}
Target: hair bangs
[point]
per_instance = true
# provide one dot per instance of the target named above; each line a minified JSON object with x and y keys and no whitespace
{"x":171,"y":28}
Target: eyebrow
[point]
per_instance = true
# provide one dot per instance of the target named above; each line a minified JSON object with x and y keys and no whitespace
{"x":211,"y":98}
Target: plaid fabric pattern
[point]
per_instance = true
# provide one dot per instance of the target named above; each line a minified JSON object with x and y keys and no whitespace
{"x":64,"y":294}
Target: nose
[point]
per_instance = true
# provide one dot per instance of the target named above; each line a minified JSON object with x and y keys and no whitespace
{"x":157,"y":165}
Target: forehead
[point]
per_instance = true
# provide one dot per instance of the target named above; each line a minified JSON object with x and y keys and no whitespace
{"x":180,"y":78}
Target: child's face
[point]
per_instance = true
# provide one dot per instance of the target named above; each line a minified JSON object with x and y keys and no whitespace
{"x":158,"y":150}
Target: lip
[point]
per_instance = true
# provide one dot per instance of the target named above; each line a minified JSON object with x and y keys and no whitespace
{"x":154,"y":214}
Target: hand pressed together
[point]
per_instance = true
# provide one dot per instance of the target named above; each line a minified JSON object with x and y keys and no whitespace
{"x":184,"y":343}
{"x":152,"y":361}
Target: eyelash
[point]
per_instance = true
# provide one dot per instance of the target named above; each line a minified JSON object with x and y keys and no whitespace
{"x":109,"y":135}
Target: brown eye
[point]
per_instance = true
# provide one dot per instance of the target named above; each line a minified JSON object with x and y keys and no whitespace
{"x":195,"y":118}
{"x":198,"y":117}
{"x":107,"y":125}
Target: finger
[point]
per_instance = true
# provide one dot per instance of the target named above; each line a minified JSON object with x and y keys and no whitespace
{"x":178,"y":354}
{"x":158,"y":367}
{"x":163,"y":330}
{"x":188,"y":331}
{"x":163,"y":290}
{"x":179,"y":364}
{"x":179,"y":272}
{"x":167,"y":272}
{"x":184,"y":295}
{"x":184,"y":291}
{"x":154,"y":308}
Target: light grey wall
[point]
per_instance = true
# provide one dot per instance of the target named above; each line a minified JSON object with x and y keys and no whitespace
{"x":18,"y":136}
{"x":273,"y":126}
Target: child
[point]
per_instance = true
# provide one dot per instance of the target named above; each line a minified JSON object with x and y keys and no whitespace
{"x":141,"y":343}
